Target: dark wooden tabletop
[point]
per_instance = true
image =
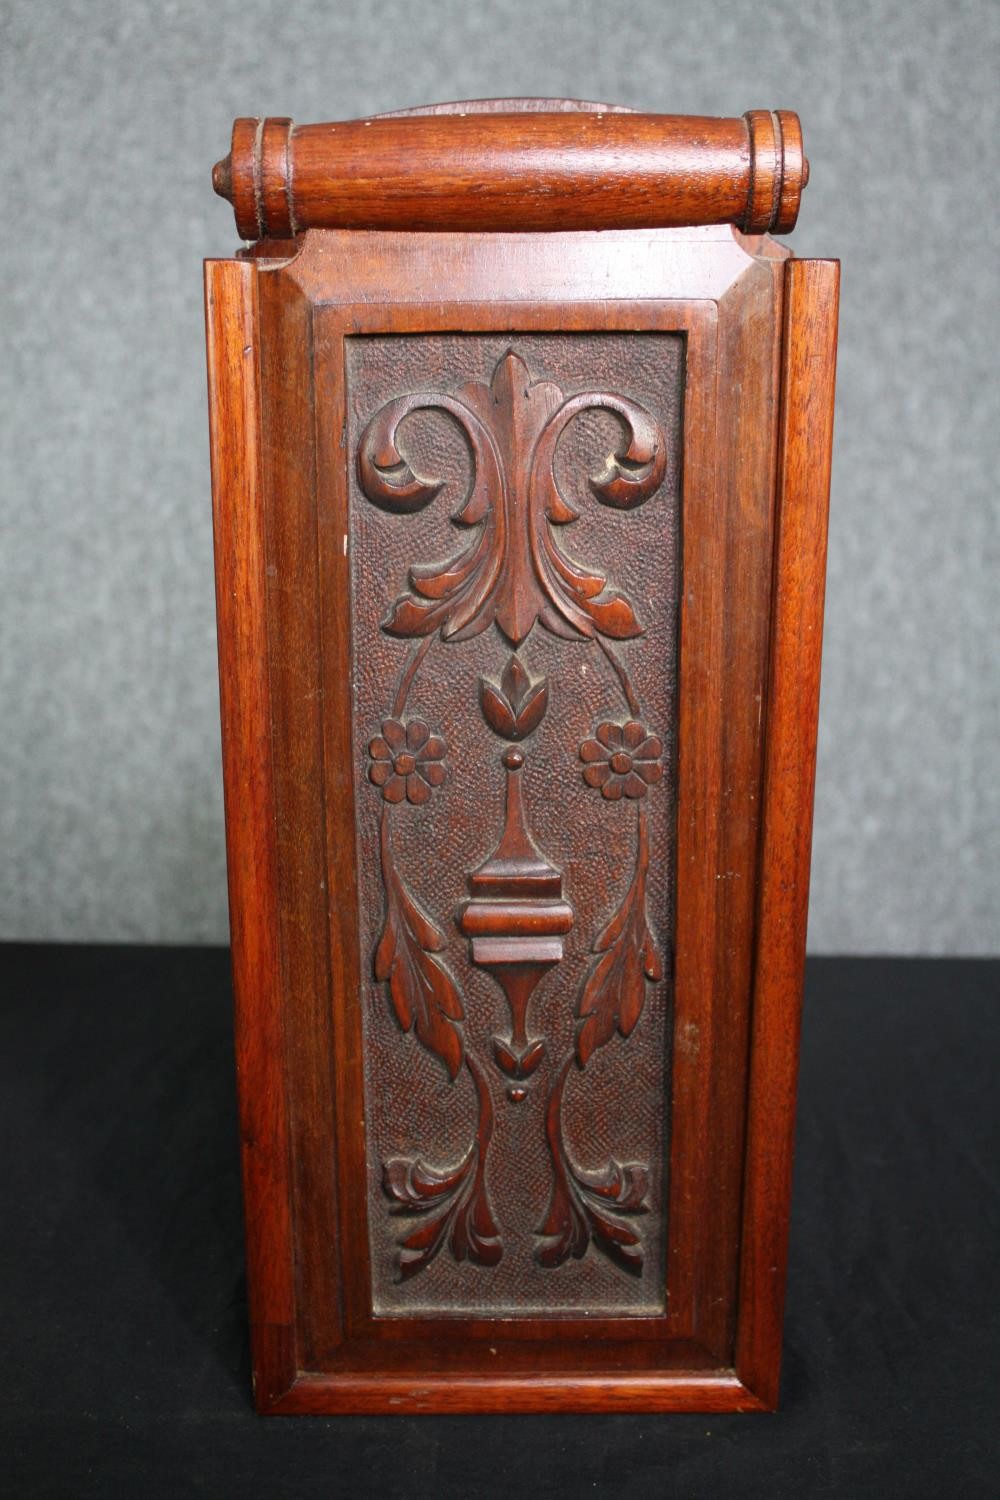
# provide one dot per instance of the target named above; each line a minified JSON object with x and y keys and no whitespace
{"x":122,"y":1276}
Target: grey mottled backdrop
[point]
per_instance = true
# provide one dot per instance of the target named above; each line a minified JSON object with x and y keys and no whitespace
{"x":111,"y":818}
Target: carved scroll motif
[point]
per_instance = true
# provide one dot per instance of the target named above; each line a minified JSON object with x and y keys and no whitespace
{"x":514,"y":573}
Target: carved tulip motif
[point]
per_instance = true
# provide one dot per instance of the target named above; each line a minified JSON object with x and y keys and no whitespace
{"x":515,"y":705}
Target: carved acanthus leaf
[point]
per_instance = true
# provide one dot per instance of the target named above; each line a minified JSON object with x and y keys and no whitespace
{"x":615,"y":990}
{"x":513,"y":571}
{"x":424,"y":995}
{"x":578,"y":1208}
{"x":455,"y":1197}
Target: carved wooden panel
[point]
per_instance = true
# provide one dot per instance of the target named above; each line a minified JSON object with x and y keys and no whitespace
{"x":514,"y":545}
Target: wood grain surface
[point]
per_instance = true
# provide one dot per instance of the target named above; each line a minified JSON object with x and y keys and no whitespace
{"x":524,"y":168}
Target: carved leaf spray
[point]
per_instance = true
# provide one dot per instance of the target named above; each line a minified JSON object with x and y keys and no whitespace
{"x":513,"y":573}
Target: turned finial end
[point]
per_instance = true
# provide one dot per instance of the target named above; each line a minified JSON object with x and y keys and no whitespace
{"x":222,"y":178}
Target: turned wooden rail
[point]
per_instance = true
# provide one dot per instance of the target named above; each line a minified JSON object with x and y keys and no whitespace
{"x":587,"y":168}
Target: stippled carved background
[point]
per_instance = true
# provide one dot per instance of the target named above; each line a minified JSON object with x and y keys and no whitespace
{"x":456,"y":1227}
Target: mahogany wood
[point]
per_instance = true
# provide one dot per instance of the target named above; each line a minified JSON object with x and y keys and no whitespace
{"x":809,"y":356}
{"x":472,"y":169}
{"x":244,"y":680}
{"x":326,"y":352}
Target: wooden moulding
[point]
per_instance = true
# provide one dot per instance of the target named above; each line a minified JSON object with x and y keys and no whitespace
{"x":527,"y":170}
{"x":809,"y":354}
{"x":245,"y":703}
{"x":291,"y":397}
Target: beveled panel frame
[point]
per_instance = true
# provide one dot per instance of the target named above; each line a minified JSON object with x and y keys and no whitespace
{"x":276,"y":331}
{"x":698,"y":322}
